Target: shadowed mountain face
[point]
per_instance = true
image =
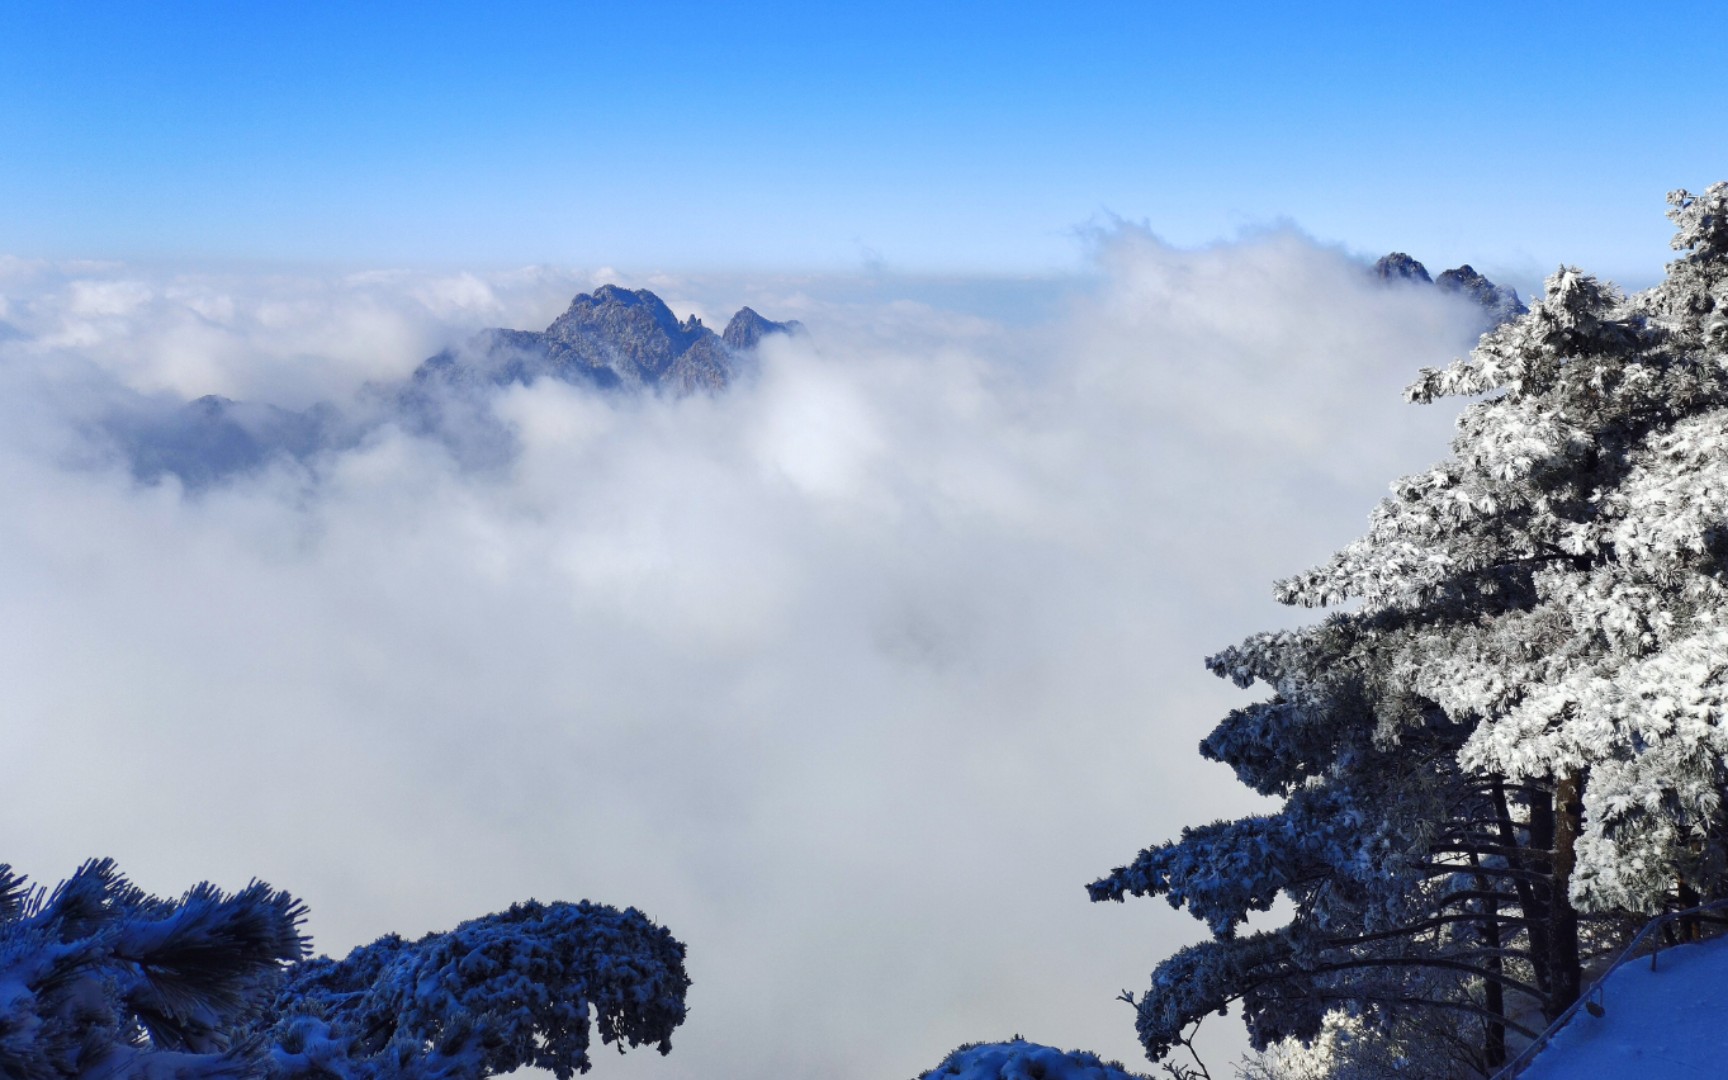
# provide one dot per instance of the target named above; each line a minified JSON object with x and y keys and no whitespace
{"x":204,"y":440}
{"x":610,"y":339}
{"x":747,"y":329}
{"x":1401,"y":267}
{"x":613,"y":340}
{"x":636,"y":337}
{"x":1500,"y":302}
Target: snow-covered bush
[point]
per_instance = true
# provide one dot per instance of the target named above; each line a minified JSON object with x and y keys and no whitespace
{"x":493,"y":995}
{"x":1018,"y":1059}
{"x":100,"y":981}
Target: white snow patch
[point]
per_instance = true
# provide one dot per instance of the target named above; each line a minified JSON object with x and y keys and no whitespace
{"x":1664,"y":1024}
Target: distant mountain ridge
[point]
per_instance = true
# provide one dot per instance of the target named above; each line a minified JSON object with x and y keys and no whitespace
{"x":613,"y":339}
{"x":1499,"y":302}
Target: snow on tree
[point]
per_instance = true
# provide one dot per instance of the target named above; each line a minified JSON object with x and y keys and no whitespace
{"x":1017,"y":1059}
{"x":1516,"y":735}
{"x":493,"y":995}
{"x":1347,"y":1048}
{"x":100,"y":980}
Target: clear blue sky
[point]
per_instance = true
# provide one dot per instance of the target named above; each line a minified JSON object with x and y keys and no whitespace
{"x":930,"y":136}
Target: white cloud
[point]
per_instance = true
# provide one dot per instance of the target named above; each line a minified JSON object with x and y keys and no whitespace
{"x":288,"y":339}
{"x":852,"y":676}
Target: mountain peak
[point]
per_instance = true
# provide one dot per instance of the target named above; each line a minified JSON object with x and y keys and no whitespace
{"x":747,"y":329}
{"x":617,"y":294}
{"x":1401,"y":267}
{"x":1500,"y":302}
{"x":612,"y":338}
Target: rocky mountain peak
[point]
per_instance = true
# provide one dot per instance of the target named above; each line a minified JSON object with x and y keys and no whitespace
{"x":747,"y":329}
{"x":1499,"y":302}
{"x":1401,"y":267}
{"x":612,"y":338}
{"x":617,"y":294}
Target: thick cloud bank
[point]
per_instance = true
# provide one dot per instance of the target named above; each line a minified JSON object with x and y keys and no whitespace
{"x":851,"y":676}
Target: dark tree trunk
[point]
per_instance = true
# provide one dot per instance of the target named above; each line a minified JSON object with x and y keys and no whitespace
{"x":1688,"y":897}
{"x":1517,"y":859}
{"x":1494,"y":994}
{"x":1563,"y":965}
{"x":1535,"y":896}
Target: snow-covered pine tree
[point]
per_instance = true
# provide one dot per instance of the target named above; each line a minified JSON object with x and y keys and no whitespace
{"x":494,"y":995}
{"x":1518,"y":730}
{"x":100,"y":981}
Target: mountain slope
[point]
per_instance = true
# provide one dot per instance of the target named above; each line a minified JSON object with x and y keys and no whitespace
{"x":1499,"y":302}
{"x":614,"y":340}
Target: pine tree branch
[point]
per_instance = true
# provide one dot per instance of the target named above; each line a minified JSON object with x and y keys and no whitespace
{"x":1433,"y":1003}
{"x":1429,"y":924}
{"x":1437,"y":962}
{"x":1445,"y":869}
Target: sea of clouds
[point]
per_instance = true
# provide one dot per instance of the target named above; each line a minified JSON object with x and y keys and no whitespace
{"x":853,"y":675}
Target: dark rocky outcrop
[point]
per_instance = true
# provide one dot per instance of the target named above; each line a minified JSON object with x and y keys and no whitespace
{"x":1401,"y":267}
{"x":1499,"y":302}
{"x":613,"y":338}
{"x":747,"y":329}
{"x":635,"y":337}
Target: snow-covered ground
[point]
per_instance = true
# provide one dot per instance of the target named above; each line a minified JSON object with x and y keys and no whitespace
{"x":1668,"y":1023}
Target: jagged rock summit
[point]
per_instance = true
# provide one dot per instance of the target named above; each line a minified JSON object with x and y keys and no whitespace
{"x":1401,"y":267}
{"x":747,"y":329}
{"x":1499,"y":302}
{"x":612,"y":338}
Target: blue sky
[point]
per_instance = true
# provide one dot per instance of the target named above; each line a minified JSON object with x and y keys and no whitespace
{"x":968,"y":137}
{"x":947,"y":137}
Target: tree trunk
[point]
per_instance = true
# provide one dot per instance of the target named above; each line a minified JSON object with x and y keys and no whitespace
{"x":1535,"y":896}
{"x":1564,"y":972}
{"x":1494,"y":995}
{"x":1687,"y":897}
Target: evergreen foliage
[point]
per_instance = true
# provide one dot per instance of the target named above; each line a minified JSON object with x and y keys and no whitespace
{"x":100,"y":981}
{"x":493,"y":995}
{"x":1515,"y":736}
{"x":1017,"y":1059}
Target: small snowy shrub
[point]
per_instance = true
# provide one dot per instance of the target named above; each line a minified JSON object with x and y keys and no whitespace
{"x":100,"y":981}
{"x":1018,"y":1059}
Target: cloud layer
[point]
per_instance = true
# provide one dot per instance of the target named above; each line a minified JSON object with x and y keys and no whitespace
{"x":852,"y":676}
